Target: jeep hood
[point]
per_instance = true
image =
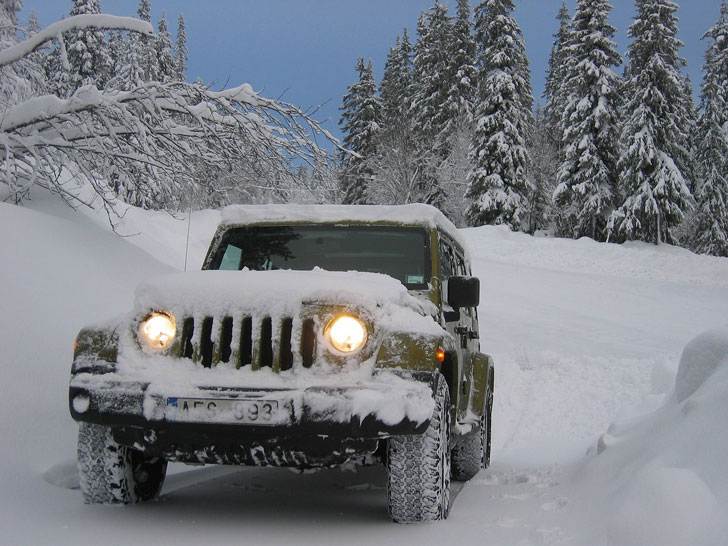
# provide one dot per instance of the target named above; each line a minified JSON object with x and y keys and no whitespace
{"x":284,"y":293}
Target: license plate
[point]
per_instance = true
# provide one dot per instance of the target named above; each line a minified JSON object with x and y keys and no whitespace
{"x":258,"y":412}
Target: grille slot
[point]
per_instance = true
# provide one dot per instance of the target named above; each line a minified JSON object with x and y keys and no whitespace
{"x":188,"y":330}
{"x":246,"y":342}
{"x":226,"y":337}
{"x":265,"y":355}
{"x":264,"y":342}
{"x":285,"y":353}
{"x":206,"y":343}
{"x":308,"y":343}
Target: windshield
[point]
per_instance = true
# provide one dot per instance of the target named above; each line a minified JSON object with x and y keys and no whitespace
{"x":401,"y":253}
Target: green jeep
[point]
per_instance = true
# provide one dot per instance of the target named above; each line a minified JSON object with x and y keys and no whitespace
{"x":314,"y":336}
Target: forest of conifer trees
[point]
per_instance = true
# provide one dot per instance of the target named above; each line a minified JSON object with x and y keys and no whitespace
{"x":618,"y":150}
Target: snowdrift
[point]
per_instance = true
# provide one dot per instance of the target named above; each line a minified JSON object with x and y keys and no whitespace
{"x":663,"y":479}
{"x":56,"y":276}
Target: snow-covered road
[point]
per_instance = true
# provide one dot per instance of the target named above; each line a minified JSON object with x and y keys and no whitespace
{"x":583,"y":335}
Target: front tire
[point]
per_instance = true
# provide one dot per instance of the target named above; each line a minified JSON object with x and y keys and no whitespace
{"x":419,"y":467}
{"x":114,"y":474}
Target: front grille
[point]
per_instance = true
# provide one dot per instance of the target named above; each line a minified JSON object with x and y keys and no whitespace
{"x":264,"y":342}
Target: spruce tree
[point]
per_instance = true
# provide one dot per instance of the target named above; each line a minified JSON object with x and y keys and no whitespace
{"x":555,"y":90}
{"x":147,"y":52}
{"x":430,"y":113}
{"x":165,"y":57}
{"x":180,"y":50}
{"x":396,"y":86}
{"x":652,"y":181}
{"x":589,"y":124}
{"x":463,"y":74}
{"x":360,"y":119}
{"x":711,"y":236}
{"x":498,"y":184}
{"x":88,"y":57}
{"x":396,"y":165}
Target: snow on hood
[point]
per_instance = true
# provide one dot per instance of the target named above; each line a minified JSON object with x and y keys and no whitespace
{"x":283,"y":293}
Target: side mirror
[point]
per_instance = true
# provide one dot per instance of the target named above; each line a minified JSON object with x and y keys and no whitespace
{"x":463,"y":292}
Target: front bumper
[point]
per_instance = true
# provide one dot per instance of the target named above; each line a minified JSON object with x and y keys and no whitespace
{"x":324,"y":411}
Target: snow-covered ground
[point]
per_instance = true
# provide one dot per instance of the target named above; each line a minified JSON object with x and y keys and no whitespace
{"x":584,"y":335}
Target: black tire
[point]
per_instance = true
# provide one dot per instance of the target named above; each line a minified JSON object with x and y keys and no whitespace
{"x":419,"y":467}
{"x":471,"y":451}
{"x":488,"y":429}
{"x":114,"y":474}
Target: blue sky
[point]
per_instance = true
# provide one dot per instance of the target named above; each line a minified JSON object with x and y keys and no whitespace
{"x":305,"y":50}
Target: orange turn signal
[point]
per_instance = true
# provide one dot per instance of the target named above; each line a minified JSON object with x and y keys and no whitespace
{"x":439,"y":355}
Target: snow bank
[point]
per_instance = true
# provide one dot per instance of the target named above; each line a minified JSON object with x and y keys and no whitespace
{"x":700,"y":359}
{"x":158,"y":233}
{"x":56,"y":277}
{"x":633,"y":260}
{"x":662,"y":479}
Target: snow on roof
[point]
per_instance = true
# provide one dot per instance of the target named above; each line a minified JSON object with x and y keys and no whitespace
{"x":414,"y":214}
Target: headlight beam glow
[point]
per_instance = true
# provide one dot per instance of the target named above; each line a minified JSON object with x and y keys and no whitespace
{"x":346,"y":334}
{"x":157,"y":330}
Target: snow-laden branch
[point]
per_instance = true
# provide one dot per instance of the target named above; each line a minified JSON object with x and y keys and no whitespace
{"x":77,"y":22}
{"x":160,"y":142}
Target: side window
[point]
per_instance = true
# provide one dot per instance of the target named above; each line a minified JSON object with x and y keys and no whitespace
{"x":461,"y":270}
{"x":447,"y":268}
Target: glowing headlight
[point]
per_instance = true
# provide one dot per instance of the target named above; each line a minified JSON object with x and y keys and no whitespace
{"x":346,"y":334}
{"x":157,"y":330}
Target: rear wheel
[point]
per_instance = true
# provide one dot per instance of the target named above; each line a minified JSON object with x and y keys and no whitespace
{"x":489,"y":421}
{"x":114,"y":474}
{"x":471,"y":451}
{"x":419,"y":467}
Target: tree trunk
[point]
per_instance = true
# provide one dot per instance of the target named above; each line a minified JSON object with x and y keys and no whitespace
{"x":659,"y":229}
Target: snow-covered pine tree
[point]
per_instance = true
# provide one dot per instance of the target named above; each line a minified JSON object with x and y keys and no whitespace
{"x":128,"y":62}
{"x":396,"y":165}
{"x":544,"y":166}
{"x":463,"y":74}
{"x":88,"y":57}
{"x":589,"y":124}
{"x":117,"y":51}
{"x":498,"y":184}
{"x":147,"y":52}
{"x":711,"y":234}
{"x":652,"y":183}
{"x":180,"y":50}
{"x":430,"y":111}
{"x":360,"y":119}
{"x":555,"y":90}
{"x":165,"y":57}
{"x":396,"y":86}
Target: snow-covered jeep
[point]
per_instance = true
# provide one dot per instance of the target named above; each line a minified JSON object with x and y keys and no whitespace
{"x":313,"y":337}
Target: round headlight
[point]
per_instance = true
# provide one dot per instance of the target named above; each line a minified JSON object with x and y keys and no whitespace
{"x":346,"y":334}
{"x":157,"y":330}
